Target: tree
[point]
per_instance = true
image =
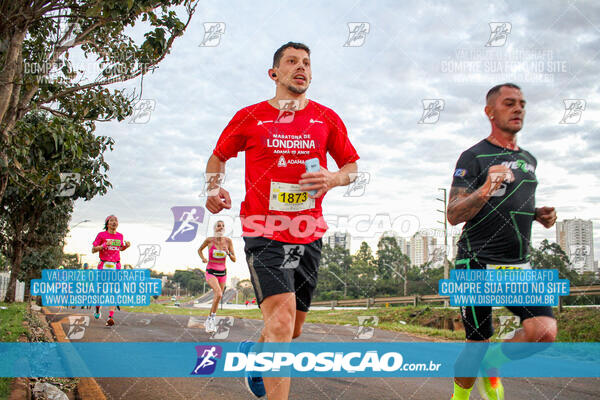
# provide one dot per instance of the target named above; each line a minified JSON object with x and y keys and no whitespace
{"x":38,"y":43}
{"x":34,"y":206}
{"x":392,"y":266}
{"x":333,"y":273}
{"x":551,"y":256}
{"x":195,"y":285}
{"x":245,"y":288}
{"x":363,"y":272}
{"x":70,"y":261}
{"x":38,"y":258}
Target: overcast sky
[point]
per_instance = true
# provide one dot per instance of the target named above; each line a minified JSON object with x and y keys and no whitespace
{"x":412,"y":51}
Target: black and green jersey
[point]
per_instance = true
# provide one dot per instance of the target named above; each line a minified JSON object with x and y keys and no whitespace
{"x":501,"y":231}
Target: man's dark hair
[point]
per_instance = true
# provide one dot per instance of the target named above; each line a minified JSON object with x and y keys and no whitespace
{"x":279,"y":53}
{"x":493,"y":92}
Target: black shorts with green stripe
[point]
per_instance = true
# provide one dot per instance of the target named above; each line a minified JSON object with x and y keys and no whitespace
{"x":478,"y":321}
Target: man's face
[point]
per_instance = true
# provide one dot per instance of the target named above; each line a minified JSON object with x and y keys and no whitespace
{"x":509,"y":110}
{"x":294,"y":70}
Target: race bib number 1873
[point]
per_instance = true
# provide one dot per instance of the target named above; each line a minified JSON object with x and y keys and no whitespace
{"x":288,"y":197}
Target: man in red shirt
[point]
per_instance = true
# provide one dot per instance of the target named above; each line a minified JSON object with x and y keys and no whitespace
{"x":282,"y":222}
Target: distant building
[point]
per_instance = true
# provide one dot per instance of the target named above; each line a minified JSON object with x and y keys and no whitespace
{"x":424,"y":248}
{"x":338,"y":239}
{"x":576,"y":238}
{"x":403,"y":243}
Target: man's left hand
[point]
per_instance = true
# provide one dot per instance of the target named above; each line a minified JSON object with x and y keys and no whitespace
{"x":545,"y":216}
{"x":321,"y":181}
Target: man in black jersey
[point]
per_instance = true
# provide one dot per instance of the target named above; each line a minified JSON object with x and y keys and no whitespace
{"x":493,"y":191}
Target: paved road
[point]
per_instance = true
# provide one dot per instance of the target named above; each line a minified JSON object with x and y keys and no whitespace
{"x":140,"y":327}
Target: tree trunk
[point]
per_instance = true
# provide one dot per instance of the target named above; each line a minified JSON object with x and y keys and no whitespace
{"x":3,"y":177}
{"x":8,"y":76}
{"x":16,"y":259}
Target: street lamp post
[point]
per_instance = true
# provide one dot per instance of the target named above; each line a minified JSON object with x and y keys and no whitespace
{"x":403,"y":277}
{"x":445,"y":223}
{"x":446,"y":267}
{"x":80,"y":222}
{"x":339,"y":279}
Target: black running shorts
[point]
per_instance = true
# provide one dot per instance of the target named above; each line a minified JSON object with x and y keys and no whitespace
{"x":478,"y":319}
{"x":277,"y":267}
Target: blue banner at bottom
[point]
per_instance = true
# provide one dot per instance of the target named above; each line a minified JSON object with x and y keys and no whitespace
{"x":299,"y":359}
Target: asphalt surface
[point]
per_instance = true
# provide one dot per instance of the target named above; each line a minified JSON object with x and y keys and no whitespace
{"x":141,"y":327}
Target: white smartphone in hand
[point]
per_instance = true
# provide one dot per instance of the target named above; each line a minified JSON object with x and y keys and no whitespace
{"x":312,"y":165}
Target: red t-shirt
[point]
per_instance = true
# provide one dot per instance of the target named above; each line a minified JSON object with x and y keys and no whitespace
{"x":276,"y":144}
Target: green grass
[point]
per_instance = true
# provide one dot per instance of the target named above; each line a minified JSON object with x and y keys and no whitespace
{"x":578,"y":325}
{"x":574,"y":324}
{"x":11,"y":328}
{"x":11,"y":321}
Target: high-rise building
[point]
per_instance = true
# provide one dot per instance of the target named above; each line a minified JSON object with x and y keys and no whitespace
{"x":424,"y":248}
{"x":576,"y":238}
{"x":340,"y":239}
{"x":403,"y":243}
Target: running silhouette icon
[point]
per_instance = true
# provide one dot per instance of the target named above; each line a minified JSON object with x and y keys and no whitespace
{"x":186,"y":222}
{"x":207,"y":359}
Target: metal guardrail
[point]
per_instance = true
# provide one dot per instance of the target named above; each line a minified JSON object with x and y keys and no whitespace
{"x":593,"y":290}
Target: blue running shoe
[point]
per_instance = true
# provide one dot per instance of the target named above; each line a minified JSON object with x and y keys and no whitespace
{"x":255,"y":383}
{"x":97,"y":315}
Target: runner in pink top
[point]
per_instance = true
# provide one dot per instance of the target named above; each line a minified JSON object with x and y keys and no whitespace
{"x":216,"y":272}
{"x":109,"y":243}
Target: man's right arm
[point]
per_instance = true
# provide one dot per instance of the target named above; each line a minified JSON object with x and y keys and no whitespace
{"x":465,"y":203}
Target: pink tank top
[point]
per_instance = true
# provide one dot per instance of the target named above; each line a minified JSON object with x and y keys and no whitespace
{"x":216,"y":258}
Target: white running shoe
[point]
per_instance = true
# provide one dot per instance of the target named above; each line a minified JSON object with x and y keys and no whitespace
{"x":210,"y":325}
